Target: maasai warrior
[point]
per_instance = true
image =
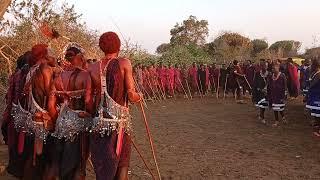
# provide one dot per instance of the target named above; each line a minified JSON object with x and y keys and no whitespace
{"x":162,"y":74}
{"x":313,"y":102}
{"x":259,"y":91}
{"x":110,"y":141}
{"x":193,"y":78}
{"x":293,"y":78}
{"x":35,"y":119}
{"x":170,"y":80}
{"x":249,"y":72}
{"x":214,"y":77}
{"x":10,"y":135}
{"x":202,"y":76}
{"x":154,"y":80}
{"x":71,"y":91}
{"x":223,"y":75}
{"x":236,"y":80}
{"x":277,"y":86}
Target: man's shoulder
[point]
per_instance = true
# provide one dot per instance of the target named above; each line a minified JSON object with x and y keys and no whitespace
{"x":93,"y":66}
{"x":124,"y":62}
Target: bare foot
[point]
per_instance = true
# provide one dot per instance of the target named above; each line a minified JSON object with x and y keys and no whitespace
{"x":276,"y":124}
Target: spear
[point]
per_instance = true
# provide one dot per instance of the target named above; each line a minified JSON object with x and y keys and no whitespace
{"x":225,"y":87}
{"x":183,"y":88}
{"x":153,"y":92}
{"x":150,"y":139}
{"x":154,"y":81}
{"x":199,"y":88}
{"x":137,"y":87}
{"x":188,"y":88}
{"x":218,"y":85}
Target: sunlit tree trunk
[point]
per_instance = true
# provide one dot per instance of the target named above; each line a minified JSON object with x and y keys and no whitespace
{"x":3,"y":6}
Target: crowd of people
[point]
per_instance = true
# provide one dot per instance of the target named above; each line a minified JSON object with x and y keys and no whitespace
{"x":59,"y":113}
{"x":160,"y":82}
{"x":269,"y":82}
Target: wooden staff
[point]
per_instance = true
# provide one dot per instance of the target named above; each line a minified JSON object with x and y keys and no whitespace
{"x":217,"y":90}
{"x":160,"y":89}
{"x":188,"y":88}
{"x":163,"y":89}
{"x":150,"y":139}
{"x":239,"y":86}
{"x":199,"y":88}
{"x":183,"y":88}
{"x":149,"y":84}
{"x":143,"y":160}
{"x":225,"y":86}
{"x":144,"y":89}
{"x":245,"y":78}
{"x":137,"y":87}
{"x":157,"y":88}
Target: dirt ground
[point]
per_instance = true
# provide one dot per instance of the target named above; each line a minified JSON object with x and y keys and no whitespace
{"x":210,"y":139}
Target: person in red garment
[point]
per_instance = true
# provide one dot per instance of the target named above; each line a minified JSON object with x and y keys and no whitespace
{"x":214,"y":77}
{"x":193,"y":78}
{"x":292,"y":79}
{"x":71,"y":91}
{"x":162,"y":74}
{"x":39,"y":123}
{"x":236,"y":81}
{"x":177,"y":79}
{"x":13,"y":96}
{"x":113,"y":83}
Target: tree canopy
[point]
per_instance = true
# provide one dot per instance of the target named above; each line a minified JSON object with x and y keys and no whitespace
{"x":190,"y":31}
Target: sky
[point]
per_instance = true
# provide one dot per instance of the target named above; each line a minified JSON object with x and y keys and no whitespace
{"x":148,"y":22}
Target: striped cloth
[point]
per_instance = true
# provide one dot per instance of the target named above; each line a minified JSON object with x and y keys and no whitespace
{"x":278,"y":107}
{"x":263,"y":103}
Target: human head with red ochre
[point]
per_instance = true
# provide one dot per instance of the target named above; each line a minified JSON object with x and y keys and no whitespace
{"x":109,"y":43}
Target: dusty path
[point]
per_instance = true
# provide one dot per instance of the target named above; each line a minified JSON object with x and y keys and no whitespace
{"x":206,"y":139}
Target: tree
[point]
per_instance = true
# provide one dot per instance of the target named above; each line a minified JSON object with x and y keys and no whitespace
{"x":312,"y":52}
{"x":258,"y":45}
{"x":285,"y":48}
{"x":163,"y":48}
{"x":229,"y":46}
{"x":190,"y":31}
{"x":24,"y":30}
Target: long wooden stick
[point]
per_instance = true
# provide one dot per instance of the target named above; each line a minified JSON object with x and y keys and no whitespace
{"x":144,"y":161}
{"x":199,"y":82}
{"x":150,"y":139}
{"x":163,"y":89}
{"x":225,"y":86}
{"x":247,"y":82}
{"x":183,"y":88}
{"x":218,"y":87}
{"x":137,"y":87}
{"x":153,"y":92}
{"x":188,"y":88}
{"x":159,"y":94}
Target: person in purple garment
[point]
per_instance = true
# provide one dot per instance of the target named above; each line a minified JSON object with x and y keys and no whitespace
{"x":277,"y":86}
{"x":313,"y":103}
